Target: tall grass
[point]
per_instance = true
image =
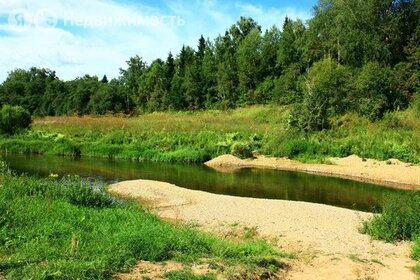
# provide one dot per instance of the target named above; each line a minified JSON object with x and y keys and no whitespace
{"x":68,"y":229}
{"x":400,"y":220}
{"x":197,"y":137}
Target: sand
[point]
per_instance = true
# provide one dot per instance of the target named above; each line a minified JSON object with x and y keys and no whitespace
{"x":392,"y":173}
{"x":325,"y":238}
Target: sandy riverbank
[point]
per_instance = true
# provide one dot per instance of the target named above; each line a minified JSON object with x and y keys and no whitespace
{"x":393,"y":173}
{"x":325,"y":238}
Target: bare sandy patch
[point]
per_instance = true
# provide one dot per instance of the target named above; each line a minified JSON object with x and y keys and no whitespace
{"x":325,"y":238}
{"x":393,"y":173}
{"x":157,"y":271}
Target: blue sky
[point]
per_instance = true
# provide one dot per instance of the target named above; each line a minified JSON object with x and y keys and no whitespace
{"x":75,"y":37}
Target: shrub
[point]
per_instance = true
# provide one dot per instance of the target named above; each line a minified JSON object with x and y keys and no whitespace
{"x":400,"y":219}
{"x":416,"y":105}
{"x":416,"y":249}
{"x":286,"y":87}
{"x":242,"y":150}
{"x":13,"y":119}
{"x":376,"y":94}
{"x":325,"y":94}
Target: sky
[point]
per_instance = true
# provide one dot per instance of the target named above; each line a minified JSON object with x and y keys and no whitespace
{"x":97,"y":37}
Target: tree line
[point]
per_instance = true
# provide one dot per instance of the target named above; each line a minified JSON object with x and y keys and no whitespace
{"x":353,"y":55}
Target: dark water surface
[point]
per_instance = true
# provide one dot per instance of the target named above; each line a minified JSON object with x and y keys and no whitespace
{"x":269,"y":184}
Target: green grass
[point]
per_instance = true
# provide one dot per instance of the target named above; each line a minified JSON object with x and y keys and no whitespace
{"x":400,"y":220}
{"x":357,"y":258}
{"x":188,"y":275}
{"x":69,"y":229}
{"x":197,"y":137}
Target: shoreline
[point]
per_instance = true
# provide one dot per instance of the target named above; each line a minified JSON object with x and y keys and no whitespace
{"x":392,"y":173}
{"x":324,"y":238}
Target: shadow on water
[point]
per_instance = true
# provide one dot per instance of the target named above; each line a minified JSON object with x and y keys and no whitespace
{"x":269,"y":184}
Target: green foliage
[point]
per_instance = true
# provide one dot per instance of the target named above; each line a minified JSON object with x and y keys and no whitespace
{"x":242,"y":150}
{"x":400,"y":219}
{"x":397,"y":136}
{"x":249,"y":60}
{"x":68,"y":229}
{"x":200,"y":136}
{"x":416,"y":249}
{"x":245,"y":67}
{"x":325,"y":94}
{"x":13,"y":119}
{"x":416,"y":105}
{"x":375,"y":92}
{"x":286,"y":88}
{"x":187,"y":275}
{"x":290,"y":49}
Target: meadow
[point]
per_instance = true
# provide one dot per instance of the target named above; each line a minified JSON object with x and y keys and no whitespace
{"x":71,"y":229}
{"x":195,"y":137}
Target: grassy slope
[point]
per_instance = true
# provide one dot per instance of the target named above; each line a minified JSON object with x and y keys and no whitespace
{"x":66,"y":230}
{"x":197,"y":137}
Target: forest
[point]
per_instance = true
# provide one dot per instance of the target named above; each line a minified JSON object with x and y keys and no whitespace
{"x":352,"y":56}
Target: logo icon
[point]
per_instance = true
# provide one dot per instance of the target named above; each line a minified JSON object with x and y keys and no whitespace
{"x":45,"y":20}
{"x":20,"y":20}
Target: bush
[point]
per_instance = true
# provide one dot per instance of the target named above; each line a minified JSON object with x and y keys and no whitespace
{"x":376,"y":93}
{"x":400,"y":219}
{"x":13,"y":119}
{"x":416,"y":249}
{"x":286,"y":88}
{"x":242,"y":150}
{"x":325,"y":94}
{"x":416,"y":105}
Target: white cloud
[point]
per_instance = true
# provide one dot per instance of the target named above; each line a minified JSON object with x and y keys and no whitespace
{"x":74,"y":51}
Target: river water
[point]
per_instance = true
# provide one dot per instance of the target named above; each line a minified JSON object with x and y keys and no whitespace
{"x":270,"y":184}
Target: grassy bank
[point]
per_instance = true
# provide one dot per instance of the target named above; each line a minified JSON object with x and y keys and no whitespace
{"x":197,"y":137}
{"x":400,"y":220}
{"x":66,"y":229}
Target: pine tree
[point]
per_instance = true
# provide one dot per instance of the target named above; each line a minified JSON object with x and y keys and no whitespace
{"x":249,"y":66}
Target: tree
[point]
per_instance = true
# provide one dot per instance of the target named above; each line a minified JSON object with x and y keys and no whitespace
{"x":242,"y":29}
{"x":26,"y":88}
{"x":202,"y":44}
{"x":209,"y":75}
{"x":81,"y":91}
{"x":169,"y":69}
{"x":356,"y":32}
{"x":130,"y":76}
{"x":2,"y":94}
{"x":286,"y":88}
{"x":269,"y":51}
{"x":375,"y":93}
{"x":177,"y":97}
{"x":325,"y":94}
{"x":192,"y":87}
{"x":13,"y":119}
{"x":53,"y":99}
{"x":290,"y":44}
{"x":104,"y":79}
{"x":227,"y":79}
{"x":14,"y":87}
{"x":107,"y":99}
{"x":249,"y":62}
{"x":152,"y":87}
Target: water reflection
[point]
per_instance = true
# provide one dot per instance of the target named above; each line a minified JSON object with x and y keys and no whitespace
{"x":270,"y":184}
